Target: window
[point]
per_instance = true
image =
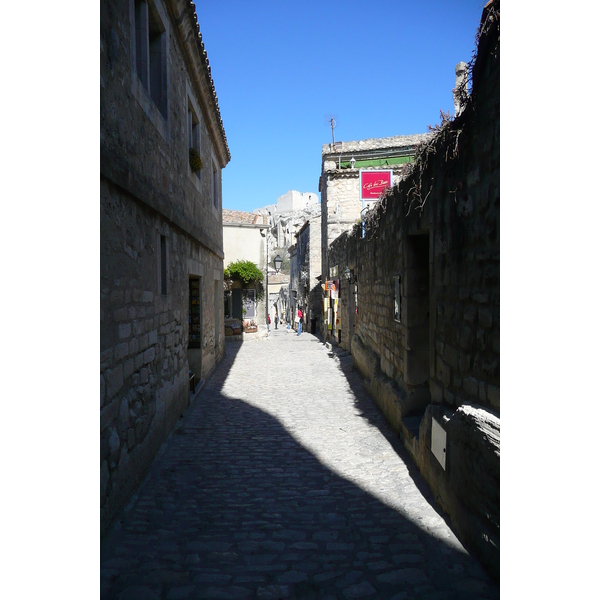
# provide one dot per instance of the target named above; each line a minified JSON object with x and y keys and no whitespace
{"x":141,"y":42}
{"x":163,"y":265}
{"x":193,"y":128}
{"x":215,"y":187}
{"x":217,"y":320}
{"x":195,"y":314}
{"x":151,"y":52}
{"x":397,"y":298}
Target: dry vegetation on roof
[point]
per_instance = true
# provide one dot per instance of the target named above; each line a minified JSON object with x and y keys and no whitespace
{"x":445,"y":139}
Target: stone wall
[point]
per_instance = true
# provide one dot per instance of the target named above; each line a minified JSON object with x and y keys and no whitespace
{"x":285,"y":224}
{"x":308,"y":259}
{"x":345,"y":149}
{"x":244,"y":243}
{"x":339,"y":184}
{"x":160,"y":226}
{"x":438,"y":355}
{"x":293,"y":201}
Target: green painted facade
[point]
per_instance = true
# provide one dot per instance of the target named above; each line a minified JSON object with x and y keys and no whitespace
{"x":378,"y":162}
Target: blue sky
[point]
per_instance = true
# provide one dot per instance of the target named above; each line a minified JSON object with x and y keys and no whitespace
{"x":280,"y":69}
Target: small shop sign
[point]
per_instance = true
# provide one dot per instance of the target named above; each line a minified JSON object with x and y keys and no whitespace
{"x":374,"y":183}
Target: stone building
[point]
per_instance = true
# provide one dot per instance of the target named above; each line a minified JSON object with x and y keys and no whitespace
{"x":294,"y":283}
{"x":161,"y":254}
{"x":286,"y":218}
{"x":341,"y":164}
{"x":420,"y":308}
{"x":307,"y":283}
{"x":293,"y":201}
{"x":279,"y":284}
{"x":244,"y":239}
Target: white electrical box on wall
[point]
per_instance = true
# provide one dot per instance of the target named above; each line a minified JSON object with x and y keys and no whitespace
{"x":438,"y":442}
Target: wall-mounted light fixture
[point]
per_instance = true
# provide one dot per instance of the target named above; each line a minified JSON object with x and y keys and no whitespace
{"x":277,"y":262}
{"x":352,"y":162}
{"x":349,"y":275}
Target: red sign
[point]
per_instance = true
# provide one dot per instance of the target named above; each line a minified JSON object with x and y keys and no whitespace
{"x":374,"y":183}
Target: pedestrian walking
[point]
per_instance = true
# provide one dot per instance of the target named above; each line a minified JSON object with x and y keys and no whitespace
{"x":300,"y":315}
{"x":276,"y":320}
{"x":268,"y":323}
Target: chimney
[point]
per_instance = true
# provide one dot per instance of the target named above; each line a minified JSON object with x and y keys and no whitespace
{"x":460,"y":85}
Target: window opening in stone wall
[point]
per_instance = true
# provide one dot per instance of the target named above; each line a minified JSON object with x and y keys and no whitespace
{"x":157,"y":42}
{"x":163,"y":265}
{"x":215,"y":188}
{"x":141,"y":42}
{"x":217,"y":319}
{"x":397,"y":298}
{"x":416,"y":363}
{"x":193,"y":135}
{"x":195,"y":315}
{"x":151,"y":52}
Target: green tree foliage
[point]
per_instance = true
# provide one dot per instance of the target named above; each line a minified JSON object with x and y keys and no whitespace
{"x":243,"y":270}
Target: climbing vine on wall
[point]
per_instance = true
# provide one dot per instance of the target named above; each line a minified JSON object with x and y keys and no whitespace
{"x":246,"y":272}
{"x":414,"y":189}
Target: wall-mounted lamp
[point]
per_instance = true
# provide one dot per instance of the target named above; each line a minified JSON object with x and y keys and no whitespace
{"x":349,"y":275}
{"x":277,"y":262}
{"x":352,"y":162}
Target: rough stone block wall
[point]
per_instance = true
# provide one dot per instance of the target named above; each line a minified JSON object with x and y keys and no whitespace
{"x":144,"y":384}
{"x":294,"y":201}
{"x":145,"y":153}
{"x":340,"y":198}
{"x":445,"y":245}
{"x":314,"y":249}
{"x":396,"y":141}
{"x":148,"y":191}
{"x":344,"y":204}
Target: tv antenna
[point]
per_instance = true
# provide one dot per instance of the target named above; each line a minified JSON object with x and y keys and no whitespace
{"x":332,"y":121}
{"x":333,"y":126}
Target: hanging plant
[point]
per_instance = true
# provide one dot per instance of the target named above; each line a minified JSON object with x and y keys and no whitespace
{"x":195,"y":160}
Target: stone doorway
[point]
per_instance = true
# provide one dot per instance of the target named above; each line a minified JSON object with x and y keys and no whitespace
{"x":416,"y":358}
{"x":195,"y":327}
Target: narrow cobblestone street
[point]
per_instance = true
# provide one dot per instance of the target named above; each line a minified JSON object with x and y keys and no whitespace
{"x":283,"y":480}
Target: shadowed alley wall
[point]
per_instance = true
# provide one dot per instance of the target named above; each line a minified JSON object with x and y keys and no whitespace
{"x":423,"y":319}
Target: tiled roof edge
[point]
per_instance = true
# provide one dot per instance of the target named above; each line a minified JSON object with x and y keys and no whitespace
{"x":206,"y":68}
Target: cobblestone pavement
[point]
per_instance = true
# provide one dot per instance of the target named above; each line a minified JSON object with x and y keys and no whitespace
{"x":283,"y":480}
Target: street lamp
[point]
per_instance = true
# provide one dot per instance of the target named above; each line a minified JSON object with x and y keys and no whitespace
{"x":277,"y":262}
{"x":349,"y":275}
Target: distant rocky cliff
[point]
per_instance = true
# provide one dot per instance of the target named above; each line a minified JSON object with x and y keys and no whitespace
{"x":286,"y":218}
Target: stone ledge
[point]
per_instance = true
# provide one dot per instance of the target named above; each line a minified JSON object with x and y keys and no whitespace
{"x":395,"y":402}
{"x":469,"y":489}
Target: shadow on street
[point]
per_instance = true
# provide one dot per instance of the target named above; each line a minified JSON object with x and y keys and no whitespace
{"x":235,"y":507}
